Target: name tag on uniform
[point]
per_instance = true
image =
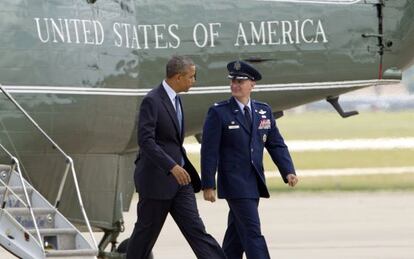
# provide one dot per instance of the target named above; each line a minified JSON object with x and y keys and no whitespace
{"x":234,"y":126}
{"x":264,"y":124}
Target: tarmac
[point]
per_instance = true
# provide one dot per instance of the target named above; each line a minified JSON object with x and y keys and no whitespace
{"x":348,"y":225}
{"x":311,"y":225}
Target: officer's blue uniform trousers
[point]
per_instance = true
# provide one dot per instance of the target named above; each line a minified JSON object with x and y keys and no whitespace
{"x":243,"y":230}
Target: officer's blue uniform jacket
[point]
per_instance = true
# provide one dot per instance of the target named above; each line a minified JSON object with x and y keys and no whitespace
{"x":236,"y":152}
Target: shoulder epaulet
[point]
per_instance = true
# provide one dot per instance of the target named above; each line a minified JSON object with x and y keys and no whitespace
{"x":221,"y":103}
{"x":261,"y":103}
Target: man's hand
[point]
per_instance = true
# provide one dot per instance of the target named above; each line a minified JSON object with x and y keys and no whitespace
{"x":209,"y":195}
{"x":292,"y":180}
{"x":181,"y":175}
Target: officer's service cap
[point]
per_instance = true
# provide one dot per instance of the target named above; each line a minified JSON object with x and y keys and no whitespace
{"x":241,"y":70}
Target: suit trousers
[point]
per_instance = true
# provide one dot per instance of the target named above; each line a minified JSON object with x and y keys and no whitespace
{"x":183,"y":209}
{"x":243,"y":232}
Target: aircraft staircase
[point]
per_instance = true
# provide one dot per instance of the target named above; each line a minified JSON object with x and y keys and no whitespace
{"x":30,"y":226}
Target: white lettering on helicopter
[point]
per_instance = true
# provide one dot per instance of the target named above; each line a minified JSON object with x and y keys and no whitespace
{"x":280,"y":33}
{"x":140,"y":36}
{"x":167,"y":36}
{"x":75,"y":31}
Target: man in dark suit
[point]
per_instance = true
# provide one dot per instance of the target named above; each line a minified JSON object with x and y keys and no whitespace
{"x":164,"y":177}
{"x":234,"y":135}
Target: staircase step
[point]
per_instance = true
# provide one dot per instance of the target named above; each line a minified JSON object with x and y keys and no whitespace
{"x":54,"y":231}
{"x":57,"y":238}
{"x":25,"y":211}
{"x":5,"y":169}
{"x":45,"y":217}
{"x":5,"y":173}
{"x":16,"y":189}
{"x":12,"y":201}
{"x":72,"y":253}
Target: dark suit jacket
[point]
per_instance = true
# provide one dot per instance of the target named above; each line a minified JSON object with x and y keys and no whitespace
{"x":160,"y":148}
{"x":236,"y":151}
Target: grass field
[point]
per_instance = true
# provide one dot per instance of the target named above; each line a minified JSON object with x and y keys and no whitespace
{"x":395,"y":182}
{"x":328,"y":125}
{"x":340,"y":159}
{"x":349,"y":158}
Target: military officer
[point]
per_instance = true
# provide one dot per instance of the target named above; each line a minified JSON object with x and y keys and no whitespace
{"x":235,"y":133}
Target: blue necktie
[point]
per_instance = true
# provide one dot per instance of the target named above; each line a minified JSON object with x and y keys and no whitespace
{"x":180,"y":119}
{"x":179,"y":113}
{"x":247,"y":116}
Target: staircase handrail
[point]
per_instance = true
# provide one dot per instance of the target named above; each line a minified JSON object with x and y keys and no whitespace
{"x":69,"y":165}
{"x":27,"y":204}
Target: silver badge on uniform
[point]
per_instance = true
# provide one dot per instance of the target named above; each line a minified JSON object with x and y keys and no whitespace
{"x":237,"y":65}
{"x":264,"y":138}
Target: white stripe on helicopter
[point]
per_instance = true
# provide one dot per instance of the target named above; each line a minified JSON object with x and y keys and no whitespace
{"x":194,"y":90}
